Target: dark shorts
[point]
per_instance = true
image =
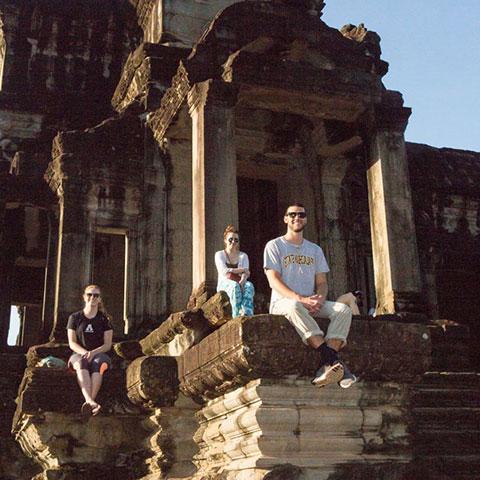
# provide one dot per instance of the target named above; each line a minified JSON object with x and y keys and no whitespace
{"x":94,"y":365}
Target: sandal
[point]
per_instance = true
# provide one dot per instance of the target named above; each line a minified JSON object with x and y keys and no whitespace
{"x":96,"y":410}
{"x":86,"y":410}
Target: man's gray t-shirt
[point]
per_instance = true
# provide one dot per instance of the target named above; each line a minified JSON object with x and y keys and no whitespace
{"x":297,"y":265}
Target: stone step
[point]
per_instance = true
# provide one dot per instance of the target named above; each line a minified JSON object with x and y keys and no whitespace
{"x":467,"y":380}
{"x":447,"y":442}
{"x":446,"y":397}
{"x":458,"y":418}
{"x":458,"y":467}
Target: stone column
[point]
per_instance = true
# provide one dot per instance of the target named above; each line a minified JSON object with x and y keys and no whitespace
{"x":75,"y":240}
{"x":332,"y":238}
{"x":395,"y":256}
{"x":214,"y":173}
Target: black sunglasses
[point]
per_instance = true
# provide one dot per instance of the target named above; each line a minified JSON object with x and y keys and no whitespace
{"x":233,"y":240}
{"x":94,"y":295}
{"x":296,"y":214}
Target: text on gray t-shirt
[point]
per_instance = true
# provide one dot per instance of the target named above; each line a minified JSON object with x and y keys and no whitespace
{"x":297,"y":265}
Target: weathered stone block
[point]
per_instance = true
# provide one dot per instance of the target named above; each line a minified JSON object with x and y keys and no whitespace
{"x":176,"y":334}
{"x":128,"y":350}
{"x":200,"y":295}
{"x":217,"y":309}
{"x":267,"y":346}
{"x":152,"y":381}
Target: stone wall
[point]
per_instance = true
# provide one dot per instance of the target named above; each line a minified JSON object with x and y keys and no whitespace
{"x":447,"y":216}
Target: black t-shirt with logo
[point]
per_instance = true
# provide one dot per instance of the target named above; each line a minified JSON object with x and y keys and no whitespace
{"x":89,"y":330}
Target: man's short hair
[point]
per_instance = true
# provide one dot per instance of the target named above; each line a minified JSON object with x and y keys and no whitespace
{"x":294,"y":204}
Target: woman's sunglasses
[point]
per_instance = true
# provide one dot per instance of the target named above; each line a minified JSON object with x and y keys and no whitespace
{"x":233,"y":240}
{"x":94,"y":295}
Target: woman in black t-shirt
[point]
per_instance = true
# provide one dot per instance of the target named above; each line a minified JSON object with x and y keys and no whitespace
{"x":90,"y":337}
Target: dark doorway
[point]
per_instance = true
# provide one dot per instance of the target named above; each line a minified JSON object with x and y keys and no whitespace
{"x":258,"y":223}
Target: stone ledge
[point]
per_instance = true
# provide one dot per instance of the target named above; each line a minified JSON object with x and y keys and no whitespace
{"x":37,"y":392}
{"x":245,"y":349}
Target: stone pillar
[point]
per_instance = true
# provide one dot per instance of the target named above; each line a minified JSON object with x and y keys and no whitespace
{"x":332,"y":238}
{"x":75,"y":241}
{"x":395,"y":255}
{"x":214,"y":173}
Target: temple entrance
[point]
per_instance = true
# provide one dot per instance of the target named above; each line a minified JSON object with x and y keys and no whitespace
{"x":258,"y":223}
{"x":109,"y":273}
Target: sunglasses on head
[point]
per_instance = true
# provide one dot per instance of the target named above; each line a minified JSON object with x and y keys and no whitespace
{"x":94,"y":295}
{"x":296,"y":214}
{"x":232,"y":240}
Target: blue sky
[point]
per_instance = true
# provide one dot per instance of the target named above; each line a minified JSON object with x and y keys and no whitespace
{"x":433,"y":48}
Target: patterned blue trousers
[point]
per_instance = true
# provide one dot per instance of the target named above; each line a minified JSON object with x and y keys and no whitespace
{"x":242,"y":302}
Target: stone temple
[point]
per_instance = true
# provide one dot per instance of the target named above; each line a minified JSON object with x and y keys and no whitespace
{"x":131,"y":133}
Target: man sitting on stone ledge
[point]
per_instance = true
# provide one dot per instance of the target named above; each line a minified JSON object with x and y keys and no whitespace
{"x":296,"y":271}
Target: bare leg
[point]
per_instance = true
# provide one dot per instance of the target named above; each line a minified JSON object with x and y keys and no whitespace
{"x":335,"y":343}
{"x":96,"y":384}
{"x":350,"y":300}
{"x":85,"y":383}
{"x":315,"y":341}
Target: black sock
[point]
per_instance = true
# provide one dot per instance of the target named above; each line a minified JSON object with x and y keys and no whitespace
{"x":328,"y":355}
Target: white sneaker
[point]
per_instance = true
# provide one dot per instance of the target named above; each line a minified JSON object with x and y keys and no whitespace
{"x":328,"y":374}
{"x":348,"y":378}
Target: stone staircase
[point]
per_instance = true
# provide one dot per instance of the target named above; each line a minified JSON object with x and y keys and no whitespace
{"x":446,"y":409}
{"x":446,"y":426}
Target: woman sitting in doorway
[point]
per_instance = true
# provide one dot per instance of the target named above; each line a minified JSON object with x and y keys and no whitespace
{"x":233,"y":272}
{"x":90,"y":336}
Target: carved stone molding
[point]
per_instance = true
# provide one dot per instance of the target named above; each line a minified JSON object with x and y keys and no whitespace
{"x":267,"y":346}
{"x":160,"y":120}
{"x":268,"y":423}
{"x":146,"y":75}
{"x":144,"y":9}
